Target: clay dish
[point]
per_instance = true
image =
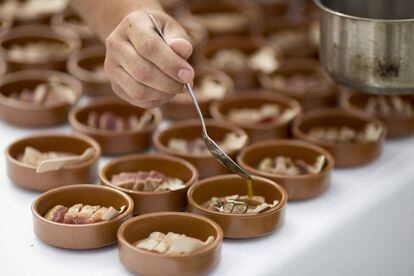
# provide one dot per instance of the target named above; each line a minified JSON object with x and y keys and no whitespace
{"x":251,"y":12}
{"x":25,"y":176}
{"x":81,"y":65}
{"x":151,"y":263}
{"x":398,"y":126}
{"x":206,"y":164}
{"x":179,"y":109}
{"x":297,"y":187}
{"x":146,"y":202}
{"x":309,"y":101}
{"x":247,"y":77}
{"x":80,"y":236}
{"x":257,"y":131}
{"x":239,"y":225}
{"x":37,"y":33}
{"x":26,"y":114}
{"x":345,"y":154}
{"x":115,"y":142}
{"x":69,"y":20}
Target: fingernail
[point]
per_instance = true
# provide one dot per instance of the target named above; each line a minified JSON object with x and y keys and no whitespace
{"x":185,"y":75}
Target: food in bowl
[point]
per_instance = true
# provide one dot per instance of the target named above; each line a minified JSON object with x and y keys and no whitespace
{"x":266,"y":113}
{"x":236,"y":204}
{"x":283,"y":165}
{"x":111,"y":121}
{"x":345,"y":134}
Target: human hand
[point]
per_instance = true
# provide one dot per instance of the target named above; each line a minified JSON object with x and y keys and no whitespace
{"x":143,"y":69}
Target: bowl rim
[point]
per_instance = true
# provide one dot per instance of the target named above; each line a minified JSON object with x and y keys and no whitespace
{"x":325,"y":112}
{"x":266,"y":96}
{"x":133,"y":158}
{"x":353,"y":17}
{"x":289,"y":142}
{"x":204,"y":251}
{"x":182,"y":124}
{"x":26,"y":75}
{"x":105,"y":101}
{"x":275,"y":209}
{"x":78,"y":136}
{"x":129,"y":209}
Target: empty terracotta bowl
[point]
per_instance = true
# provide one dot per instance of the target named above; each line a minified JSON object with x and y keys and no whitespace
{"x":297,"y":39}
{"x":323,"y":94}
{"x":238,"y":17}
{"x":87,"y":65}
{"x":299,"y":186}
{"x":151,"y":263}
{"x":258,"y":131}
{"x":80,"y":236}
{"x":147,"y":201}
{"x":25,"y":176}
{"x":398,"y":125}
{"x":245,"y":77}
{"x":115,"y":142}
{"x":27,"y":114}
{"x":345,"y":154}
{"x":69,"y":20}
{"x":239,"y":225}
{"x":182,"y":107}
{"x":206,"y":164}
{"x":25,"y":35}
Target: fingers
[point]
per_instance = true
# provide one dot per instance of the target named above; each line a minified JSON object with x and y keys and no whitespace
{"x":151,"y":47}
{"x":143,"y":71}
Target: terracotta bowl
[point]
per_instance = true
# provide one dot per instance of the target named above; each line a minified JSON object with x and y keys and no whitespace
{"x":239,"y":226}
{"x":305,"y":48}
{"x":397,"y":126}
{"x":181,"y":109}
{"x":35,"y":33}
{"x":115,"y":142}
{"x":251,"y":11}
{"x":25,"y":176}
{"x":206,"y":164}
{"x":297,"y":187}
{"x":80,"y":236}
{"x":80,"y":65}
{"x":260,"y":131}
{"x":345,"y":154}
{"x":25,"y":114}
{"x":69,"y":20}
{"x":246,"y":78}
{"x":327,"y":97}
{"x":150,"y":263}
{"x":146,"y":202}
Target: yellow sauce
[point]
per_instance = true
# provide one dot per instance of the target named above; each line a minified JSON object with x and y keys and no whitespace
{"x":249,"y":188}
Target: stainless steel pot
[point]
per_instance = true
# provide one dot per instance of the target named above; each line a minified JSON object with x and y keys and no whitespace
{"x":369,"y":44}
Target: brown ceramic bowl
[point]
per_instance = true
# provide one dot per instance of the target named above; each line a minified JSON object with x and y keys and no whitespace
{"x":146,"y":202}
{"x":239,"y":226}
{"x":257,"y":131}
{"x":306,"y":47}
{"x":179,"y":109}
{"x":273,"y":8}
{"x":397,"y":126}
{"x":25,"y":175}
{"x":206,"y":164}
{"x":197,"y":8}
{"x":345,"y":154}
{"x":80,"y":236}
{"x":297,"y":187}
{"x":247,"y":77}
{"x":113,"y":142}
{"x":69,"y":20}
{"x":36,"y":33}
{"x":326,"y":97}
{"x":151,"y":263}
{"x":81,"y":65}
{"x":32,"y":115}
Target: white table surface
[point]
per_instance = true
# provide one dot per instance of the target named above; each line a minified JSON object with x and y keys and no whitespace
{"x":363,"y":225}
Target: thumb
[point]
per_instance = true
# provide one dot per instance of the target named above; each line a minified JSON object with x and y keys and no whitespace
{"x":178,"y":39}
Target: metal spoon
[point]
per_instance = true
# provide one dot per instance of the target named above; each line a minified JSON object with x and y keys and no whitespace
{"x":215,"y":150}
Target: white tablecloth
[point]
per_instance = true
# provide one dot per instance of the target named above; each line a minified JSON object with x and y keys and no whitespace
{"x":363,"y":225}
